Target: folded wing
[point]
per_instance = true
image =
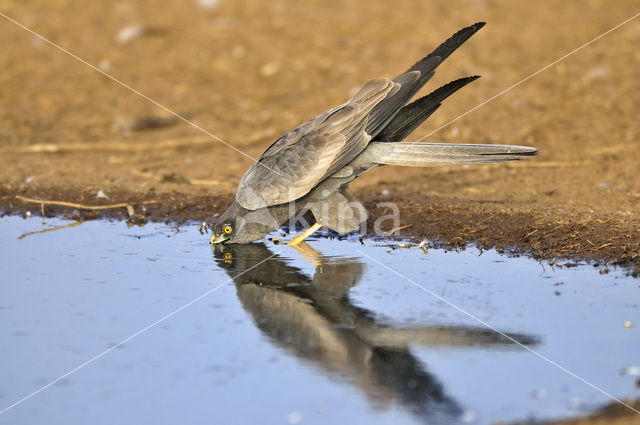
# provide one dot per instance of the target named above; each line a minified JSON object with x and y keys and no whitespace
{"x":295,"y":164}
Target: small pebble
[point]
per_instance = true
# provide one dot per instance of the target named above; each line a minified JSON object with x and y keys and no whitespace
{"x":101,"y":194}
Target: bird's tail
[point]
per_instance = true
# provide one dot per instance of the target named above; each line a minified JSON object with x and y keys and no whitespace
{"x":417,"y":154}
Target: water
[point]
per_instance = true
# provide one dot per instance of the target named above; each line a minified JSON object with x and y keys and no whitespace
{"x":299,"y":337}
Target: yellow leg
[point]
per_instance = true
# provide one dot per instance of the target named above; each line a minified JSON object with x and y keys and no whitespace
{"x":302,"y":236}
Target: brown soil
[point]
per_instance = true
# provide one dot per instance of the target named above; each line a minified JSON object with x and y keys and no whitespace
{"x":613,"y":414}
{"x":250,"y":71}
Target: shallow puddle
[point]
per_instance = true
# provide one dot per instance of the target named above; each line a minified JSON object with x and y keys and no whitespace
{"x":340,"y":332}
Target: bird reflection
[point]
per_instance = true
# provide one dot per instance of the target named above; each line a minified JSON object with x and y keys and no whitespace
{"x":313,"y":318}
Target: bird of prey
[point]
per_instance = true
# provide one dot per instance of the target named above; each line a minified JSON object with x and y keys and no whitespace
{"x":311,"y":166}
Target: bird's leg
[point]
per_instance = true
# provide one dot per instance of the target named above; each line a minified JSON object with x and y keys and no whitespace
{"x":302,"y":236}
{"x":310,"y":254}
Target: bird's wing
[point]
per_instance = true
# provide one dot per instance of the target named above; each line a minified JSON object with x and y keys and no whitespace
{"x":301,"y":159}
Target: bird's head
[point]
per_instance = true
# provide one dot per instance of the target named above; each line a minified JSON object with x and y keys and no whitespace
{"x":227,"y":227}
{"x":239,"y":225}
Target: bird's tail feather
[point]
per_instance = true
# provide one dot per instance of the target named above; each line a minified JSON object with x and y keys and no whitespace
{"x":436,"y":154}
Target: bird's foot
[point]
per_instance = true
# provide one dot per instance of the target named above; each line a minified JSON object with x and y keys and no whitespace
{"x":302,"y":236}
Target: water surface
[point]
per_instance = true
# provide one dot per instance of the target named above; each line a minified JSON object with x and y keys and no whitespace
{"x":268,"y":334}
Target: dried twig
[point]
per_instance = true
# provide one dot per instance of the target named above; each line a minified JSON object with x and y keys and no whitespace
{"x":78,"y":206}
{"x":605,"y":245}
{"x":396,"y":229}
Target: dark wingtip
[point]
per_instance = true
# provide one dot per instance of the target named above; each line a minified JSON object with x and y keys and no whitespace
{"x":442,"y":52}
{"x":471,"y":30}
{"x":456,"y":40}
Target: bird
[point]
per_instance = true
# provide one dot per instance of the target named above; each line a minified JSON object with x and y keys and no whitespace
{"x":310,"y":167}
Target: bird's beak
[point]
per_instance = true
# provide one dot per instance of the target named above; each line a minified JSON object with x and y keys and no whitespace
{"x":219,"y":239}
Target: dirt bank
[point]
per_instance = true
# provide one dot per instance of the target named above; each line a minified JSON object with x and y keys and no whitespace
{"x":248,"y":73}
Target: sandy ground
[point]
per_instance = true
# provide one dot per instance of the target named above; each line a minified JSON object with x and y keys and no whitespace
{"x":250,"y":71}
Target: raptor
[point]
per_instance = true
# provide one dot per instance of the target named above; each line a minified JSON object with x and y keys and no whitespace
{"x":310,"y":167}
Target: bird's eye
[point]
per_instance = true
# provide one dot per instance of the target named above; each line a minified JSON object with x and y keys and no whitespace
{"x":226,"y":229}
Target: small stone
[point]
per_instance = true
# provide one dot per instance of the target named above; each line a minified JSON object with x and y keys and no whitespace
{"x":101,"y":194}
